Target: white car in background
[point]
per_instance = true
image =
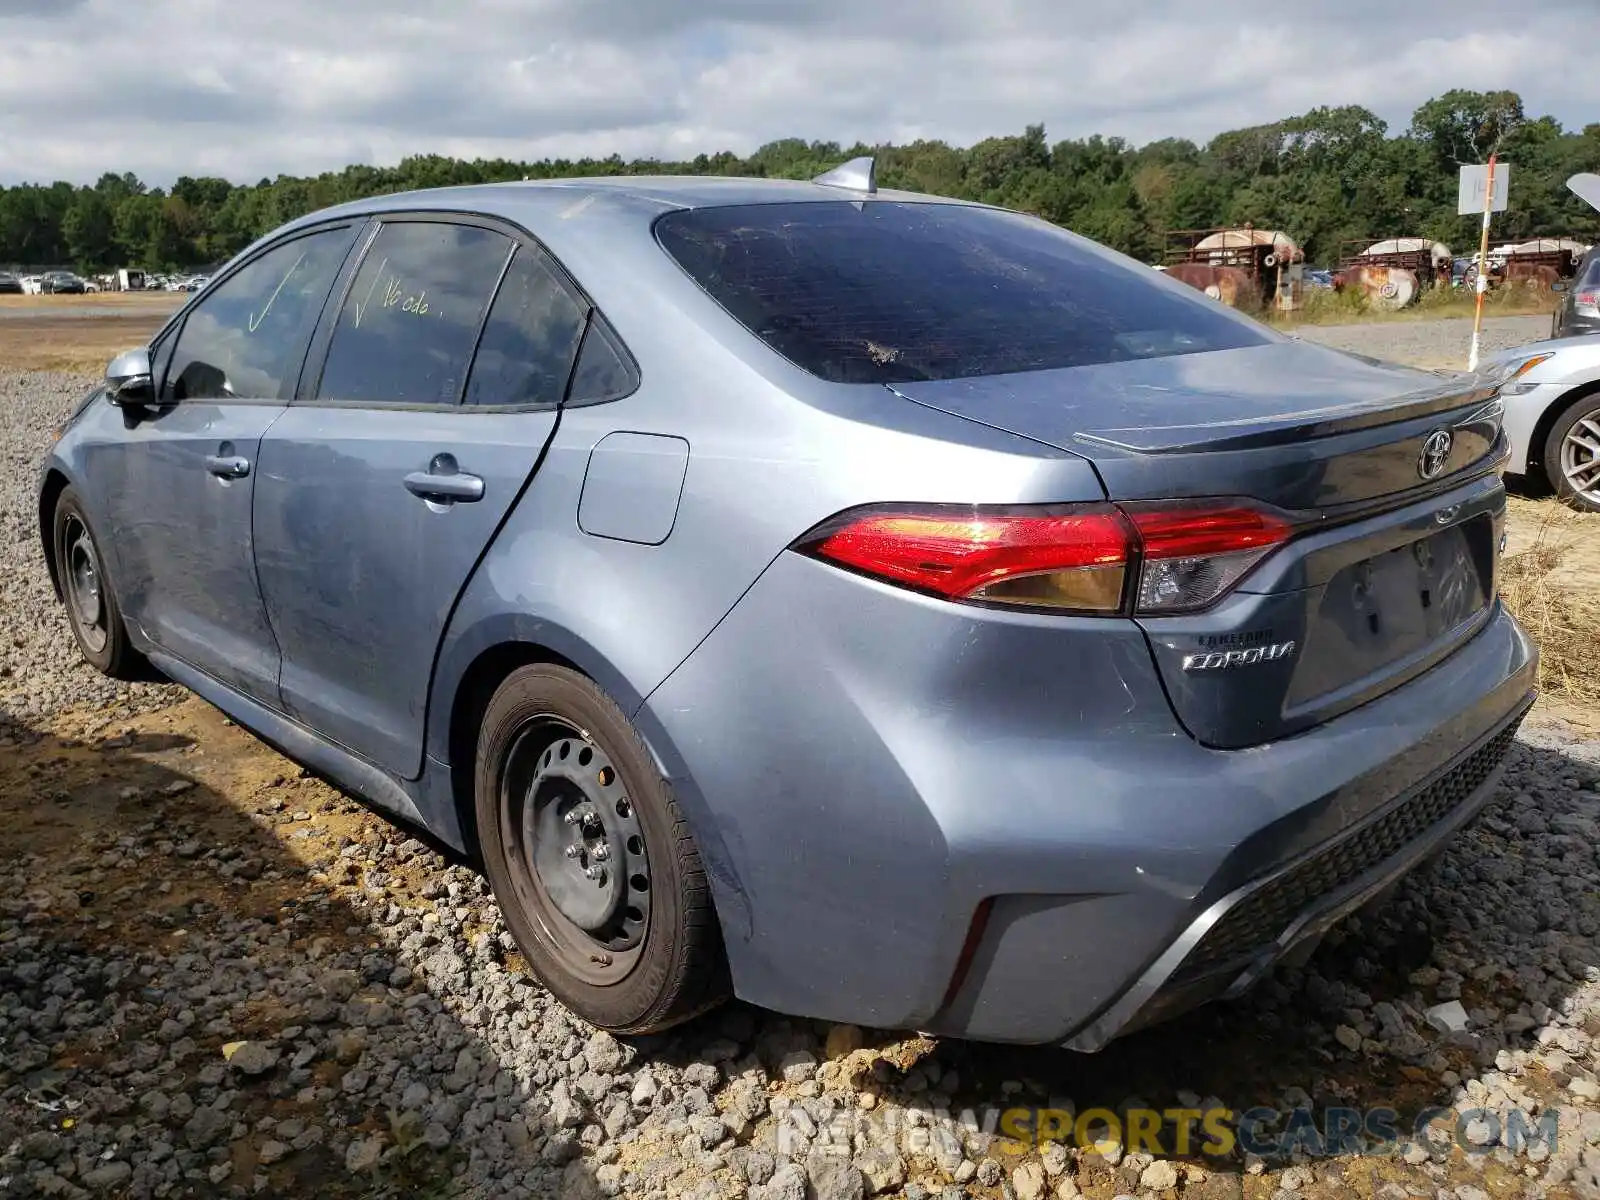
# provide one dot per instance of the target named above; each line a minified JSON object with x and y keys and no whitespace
{"x":1551,"y":392}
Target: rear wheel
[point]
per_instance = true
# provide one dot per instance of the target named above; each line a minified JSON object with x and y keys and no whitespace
{"x":1572,"y":454}
{"x":92,"y":608}
{"x":591,"y":859}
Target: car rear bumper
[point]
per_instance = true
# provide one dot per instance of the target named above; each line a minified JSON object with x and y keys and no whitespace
{"x":990,"y":825}
{"x":1284,"y":912}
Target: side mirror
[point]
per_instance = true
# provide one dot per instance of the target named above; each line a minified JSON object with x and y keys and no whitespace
{"x":128,"y":380}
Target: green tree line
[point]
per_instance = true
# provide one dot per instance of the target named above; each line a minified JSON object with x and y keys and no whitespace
{"x":1328,"y":176}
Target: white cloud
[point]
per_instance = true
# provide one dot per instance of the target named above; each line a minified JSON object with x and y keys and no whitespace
{"x":168,"y":87}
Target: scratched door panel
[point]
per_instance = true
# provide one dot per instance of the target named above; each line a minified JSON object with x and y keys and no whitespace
{"x":183,"y":475}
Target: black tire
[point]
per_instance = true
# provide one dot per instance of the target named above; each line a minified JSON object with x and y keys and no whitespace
{"x":92,"y":608}
{"x":637,"y":959}
{"x":1567,"y":463}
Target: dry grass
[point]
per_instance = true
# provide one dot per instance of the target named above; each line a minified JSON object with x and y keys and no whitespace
{"x":1560,"y":614}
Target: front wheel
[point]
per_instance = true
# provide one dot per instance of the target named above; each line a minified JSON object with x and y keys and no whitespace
{"x":1572,"y":455}
{"x":92,"y":608}
{"x":590,"y":858}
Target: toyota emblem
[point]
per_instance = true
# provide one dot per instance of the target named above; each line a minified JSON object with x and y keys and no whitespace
{"x":1435,"y":454}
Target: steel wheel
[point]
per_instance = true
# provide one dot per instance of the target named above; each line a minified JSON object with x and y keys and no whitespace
{"x":590,"y":857}
{"x":575,"y":848}
{"x":84,"y":584}
{"x":1580,"y":457}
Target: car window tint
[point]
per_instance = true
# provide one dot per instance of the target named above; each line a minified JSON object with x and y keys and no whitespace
{"x":1591,"y":274}
{"x":526,"y":352}
{"x":246,"y":338}
{"x":605,"y":371}
{"x":406,"y":331}
{"x":887,"y":292}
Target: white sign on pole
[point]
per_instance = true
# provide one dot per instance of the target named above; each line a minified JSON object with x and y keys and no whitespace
{"x":1474,"y":180}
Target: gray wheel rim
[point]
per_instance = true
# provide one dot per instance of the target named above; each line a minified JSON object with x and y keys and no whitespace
{"x":1580,"y":457}
{"x":575,"y":849}
{"x":85,"y":585}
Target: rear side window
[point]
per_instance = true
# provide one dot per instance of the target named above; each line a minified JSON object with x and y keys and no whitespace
{"x":406,"y":332}
{"x":528,"y":344}
{"x":605,"y":370}
{"x":887,"y":292}
{"x":1591,"y":273}
{"x":246,"y":338}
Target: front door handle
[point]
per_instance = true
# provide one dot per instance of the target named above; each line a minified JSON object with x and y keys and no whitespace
{"x":453,"y":487}
{"x":228,"y":466}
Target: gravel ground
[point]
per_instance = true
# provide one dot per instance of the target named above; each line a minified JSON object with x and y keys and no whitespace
{"x":220,"y":977}
{"x":1428,"y":343}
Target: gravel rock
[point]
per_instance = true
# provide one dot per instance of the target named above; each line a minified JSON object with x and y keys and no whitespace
{"x":1158,"y":1175}
{"x":833,"y":1177}
{"x":883,"y":1170}
{"x":1450,"y":1017}
{"x":250,"y":1058}
{"x":1028,"y":1181}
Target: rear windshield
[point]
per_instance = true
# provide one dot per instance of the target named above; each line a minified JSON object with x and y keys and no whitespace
{"x":1591,"y":273}
{"x":890,"y":292}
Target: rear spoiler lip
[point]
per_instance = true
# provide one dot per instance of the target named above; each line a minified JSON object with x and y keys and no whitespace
{"x":1262,"y":432}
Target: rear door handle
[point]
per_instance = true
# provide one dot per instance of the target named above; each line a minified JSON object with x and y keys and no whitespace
{"x":228,"y":466}
{"x":457,"y":486}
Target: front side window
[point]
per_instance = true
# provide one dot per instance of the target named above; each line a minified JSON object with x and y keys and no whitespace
{"x":406,"y":332}
{"x":525,"y":354}
{"x":247,"y":337}
{"x":891,"y":292}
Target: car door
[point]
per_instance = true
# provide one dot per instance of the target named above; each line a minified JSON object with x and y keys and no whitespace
{"x":179,"y":482}
{"x":381,"y":488}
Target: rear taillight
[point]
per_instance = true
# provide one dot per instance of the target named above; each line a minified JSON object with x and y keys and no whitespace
{"x":1192,"y":554}
{"x":1586,"y":304}
{"x":1069,"y":557}
{"x":1088,"y":558}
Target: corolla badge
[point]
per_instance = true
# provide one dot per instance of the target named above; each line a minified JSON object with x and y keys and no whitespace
{"x":1435,"y":453}
{"x":1221,"y":660}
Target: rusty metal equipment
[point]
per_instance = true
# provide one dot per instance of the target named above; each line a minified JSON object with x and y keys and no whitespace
{"x":1242,"y":266}
{"x":1534,"y":262}
{"x":1392,"y":273}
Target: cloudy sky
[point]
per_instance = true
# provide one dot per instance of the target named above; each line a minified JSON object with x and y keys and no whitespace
{"x":246,"y":88}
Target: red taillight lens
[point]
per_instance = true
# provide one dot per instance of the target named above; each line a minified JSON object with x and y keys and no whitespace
{"x":1073,"y":558}
{"x":1076,"y":558}
{"x":1587,"y":303}
{"x":1195,"y":553}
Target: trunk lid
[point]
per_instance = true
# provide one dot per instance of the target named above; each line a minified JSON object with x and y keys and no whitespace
{"x":1393,"y":567}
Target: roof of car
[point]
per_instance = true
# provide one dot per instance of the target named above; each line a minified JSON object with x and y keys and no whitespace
{"x":624,"y":192}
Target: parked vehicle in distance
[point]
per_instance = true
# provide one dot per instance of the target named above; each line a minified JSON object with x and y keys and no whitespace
{"x":30,"y":285}
{"x":10,"y":285}
{"x":60,"y":283}
{"x":1552,"y":401}
{"x":858,"y":601}
{"x":1578,"y":309}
